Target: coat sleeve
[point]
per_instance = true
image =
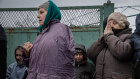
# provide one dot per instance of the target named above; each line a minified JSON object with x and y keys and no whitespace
{"x":69,"y":40}
{"x":119,"y":49}
{"x":135,"y":42}
{"x":92,"y":67}
{"x":25,"y":58}
{"x":8,"y":73}
{"x":95,"y":49}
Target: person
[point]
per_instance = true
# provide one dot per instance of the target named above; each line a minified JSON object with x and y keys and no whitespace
{"x":3,"y":53}
{"x":51,"y":56}
{"x":105,"y":23}
{"x":135,"y":42}
{"x":83,"y":69}
{"x":17,"y":70}
{"x":112,"y":52}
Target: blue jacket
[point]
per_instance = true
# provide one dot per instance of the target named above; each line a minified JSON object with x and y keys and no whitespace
{"x":135,"y":38}
{"x":16,"y":71}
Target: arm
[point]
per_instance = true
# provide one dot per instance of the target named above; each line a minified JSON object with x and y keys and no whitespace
{"x":95,"y":49}
{"x":119,"y":49}
{"x":69,"y":43}
{"x":26,"y":55}
{"x":8,"y":73}
{"x":92,"y":72}
{"x":70,"y":40}
{"x":135,"y":42}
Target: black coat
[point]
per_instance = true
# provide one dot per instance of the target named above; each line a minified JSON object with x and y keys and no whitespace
{"x":3,"y":53}
{"x":84,"y":71}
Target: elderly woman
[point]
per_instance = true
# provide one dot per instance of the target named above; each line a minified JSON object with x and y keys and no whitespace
{"x":51,"y":56}
{"x":112,"y":52}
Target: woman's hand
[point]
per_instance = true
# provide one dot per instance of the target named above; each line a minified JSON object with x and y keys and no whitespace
{"x":27,"y":46}
{"x":108,"y":28}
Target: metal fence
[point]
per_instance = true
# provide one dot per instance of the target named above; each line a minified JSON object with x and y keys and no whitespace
{"x":71,"y":16}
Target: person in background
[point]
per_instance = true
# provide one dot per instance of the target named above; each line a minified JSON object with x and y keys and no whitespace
{"x":112,"y":52}
{"x":51,"y":56}
{"x":105,"y":23}
{"x":3,"y":53}
{"x":83,"y":69}
{"x":17,"y":70}
{"x":135,"y":42}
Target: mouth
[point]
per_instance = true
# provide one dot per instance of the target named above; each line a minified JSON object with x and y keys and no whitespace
{"x":39,"y":20}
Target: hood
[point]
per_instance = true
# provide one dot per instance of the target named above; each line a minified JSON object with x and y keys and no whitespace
{"x":2,"y":33}
{"x":52,"y":13}
{"x":137,"y":24}
{"x":81,"y":48}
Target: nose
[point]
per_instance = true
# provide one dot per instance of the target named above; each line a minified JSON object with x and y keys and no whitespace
{"x":18,"y":57}
{"x":78,"y":56}
{"x":38,"y":16}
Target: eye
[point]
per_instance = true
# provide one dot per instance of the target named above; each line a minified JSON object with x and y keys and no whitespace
{"x":40,"y":12}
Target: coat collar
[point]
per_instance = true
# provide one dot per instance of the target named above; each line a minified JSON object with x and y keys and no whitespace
{"x":126,"y":31}
{"x":50,"y":23}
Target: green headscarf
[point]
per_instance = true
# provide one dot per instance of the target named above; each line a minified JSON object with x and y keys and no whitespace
{"x":52,"y":13}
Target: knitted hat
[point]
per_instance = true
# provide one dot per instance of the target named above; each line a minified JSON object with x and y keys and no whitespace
{"x":44,"y":5}
{"x":120,"y":18}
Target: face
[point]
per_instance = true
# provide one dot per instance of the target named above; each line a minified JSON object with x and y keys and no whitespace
{"x":78,"y":57}
{"x":114,"y":24}
{"x":41,"y":15}
{"x":19,"y":56}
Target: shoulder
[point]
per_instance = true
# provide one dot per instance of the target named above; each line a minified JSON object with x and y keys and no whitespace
{"x":61,"y":28}
{"x":61,"y":25}
{"x":90,"y":64}
{"x":125,"y":36}
{"x":12,"y":65}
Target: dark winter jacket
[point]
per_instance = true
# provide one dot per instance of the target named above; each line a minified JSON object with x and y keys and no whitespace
{"x":3,"y":53}
{"x":113,"y":56}
{"x":83,"y":69}
{"x":135,"y":42}
{"x":135,"y":38}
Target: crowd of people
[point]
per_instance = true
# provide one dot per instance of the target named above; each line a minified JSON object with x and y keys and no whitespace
{"x":53,"y":54}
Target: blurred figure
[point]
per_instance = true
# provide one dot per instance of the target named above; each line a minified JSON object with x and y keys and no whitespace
{"x":51,"y":56}
{"x":17,"y":70}
{"x":112,"y":51}
{"x":135,"y":42}
{"x":3,"y":53}
{"x":83,"y":69}
{"x":105,"y":23}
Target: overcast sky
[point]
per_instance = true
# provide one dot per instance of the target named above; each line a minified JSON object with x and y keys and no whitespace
{"x":36,"y":3}
{"x":61,"y":3}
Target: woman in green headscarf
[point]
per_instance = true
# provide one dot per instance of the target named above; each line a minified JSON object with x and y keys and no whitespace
{"x":52,"y":53}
